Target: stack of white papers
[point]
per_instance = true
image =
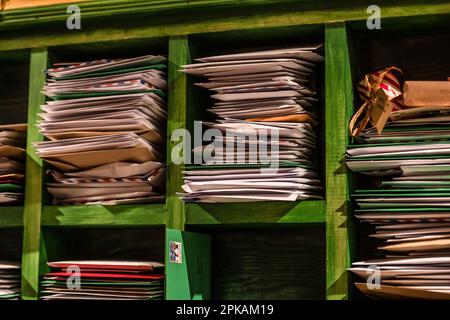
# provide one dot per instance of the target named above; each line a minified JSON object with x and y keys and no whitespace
{"x":407,"y":201}
{"x":228,"y":184}
{"x":295,"y":142}
{"x":103,"y":280}
{"x":265,"y":106}
{"x":12,"y":163}
{"x":105,"y":124}
{"x":406,"y":278}
{"x":9,"y":280}
{"x":413,"y":136}
{"x":408,"y":223}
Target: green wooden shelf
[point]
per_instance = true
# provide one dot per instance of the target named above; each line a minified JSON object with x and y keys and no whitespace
{"x":255,"y":213}
{"x":116,"y":26}
{"x":98,"y":215}
{"x":11,"y":216}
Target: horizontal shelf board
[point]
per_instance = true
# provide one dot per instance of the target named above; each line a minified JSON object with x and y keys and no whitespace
{"x":255,"y":213}
{"x":98,"y":215}
{"x":179,"y":26}
{"x":11,"y":216}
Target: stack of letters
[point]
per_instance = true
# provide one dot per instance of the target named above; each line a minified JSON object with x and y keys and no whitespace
{"x":103,"y":280}
{"x":408,"y":200}
{"x":9,"y":280}
{"x":12,"y":163}
{"x":106,"y":128}
{"x":265,"y":106}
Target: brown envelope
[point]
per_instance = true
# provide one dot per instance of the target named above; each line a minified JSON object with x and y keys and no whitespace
{"x":65,"y":167}
{"x":90,"y":159}
{"x":418,"y":245}
{"x":78,"y":134}
{"x":426,"y":93}
{"x":12,"y":176}
{"x":290,"y":118}
{"x":12,"y":152}
{"x":68,"y":193}
{"x":151,"y":136}
{"x":20,"y":127}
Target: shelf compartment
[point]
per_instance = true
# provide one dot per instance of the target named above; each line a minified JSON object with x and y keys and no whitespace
{"x":129,"y":48}
{"x":15,"y":67}
{"x":419,"y":47}
{"x":75,"y":243}
{"x":264,"y":263}
{"x":255,"y":213}
{"x":98,"y":215}
{"x":198,"y":100}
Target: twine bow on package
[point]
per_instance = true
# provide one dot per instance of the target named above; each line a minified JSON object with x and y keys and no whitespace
{"x":380,"y":92}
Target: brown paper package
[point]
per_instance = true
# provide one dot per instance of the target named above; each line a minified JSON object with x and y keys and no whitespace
{"x":426,"y":93}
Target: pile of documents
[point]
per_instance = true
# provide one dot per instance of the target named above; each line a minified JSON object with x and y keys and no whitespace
{"x":230,"y":183}
{"x":407,"y":200}
{"x":266,"y":113}
{"x":9,"y":280}
{"x":103,"y":280}
{"x":12,"y":163}
{"x":105,"y":125}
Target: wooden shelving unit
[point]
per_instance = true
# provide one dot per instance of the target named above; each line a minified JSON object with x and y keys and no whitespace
{"x":305,"y":247}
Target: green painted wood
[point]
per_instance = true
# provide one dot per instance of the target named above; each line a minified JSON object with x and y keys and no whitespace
{"x":190,"y":278}
{"x":98,"y":215}
{"x":177,"y":106}
{"x":124,"y":8}
{"x":338,"y":110}
{"x":11,"y":217}
{"x":94,"y":8}
{"x":255,"y":213}
{"x":241,"y":20}
{"x":34,"y":175}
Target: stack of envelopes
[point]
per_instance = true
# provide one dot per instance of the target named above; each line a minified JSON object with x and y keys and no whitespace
{"x":9,"y":280}
{"x":408,"y":203}
{"x":103,"y":280}
{"x":12,"y":163}
{"x":105,"y":124}
{"x":265,"y":106}
{"x":234,"y":183}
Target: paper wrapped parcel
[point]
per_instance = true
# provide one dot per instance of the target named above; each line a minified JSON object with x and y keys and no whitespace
{"x":426,"y":93}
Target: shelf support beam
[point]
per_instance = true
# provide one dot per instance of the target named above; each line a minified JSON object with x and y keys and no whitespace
{"x":338,"y":110}
{"x":177,"y":115}
{"x":34,"y":179}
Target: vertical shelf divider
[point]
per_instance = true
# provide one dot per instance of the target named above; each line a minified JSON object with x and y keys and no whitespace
{"x":178,"y":55}
{"x":34,"y":179}
{"x":338,"y":111}
{"x":188,"y":278}
{"x":177,"y":114}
